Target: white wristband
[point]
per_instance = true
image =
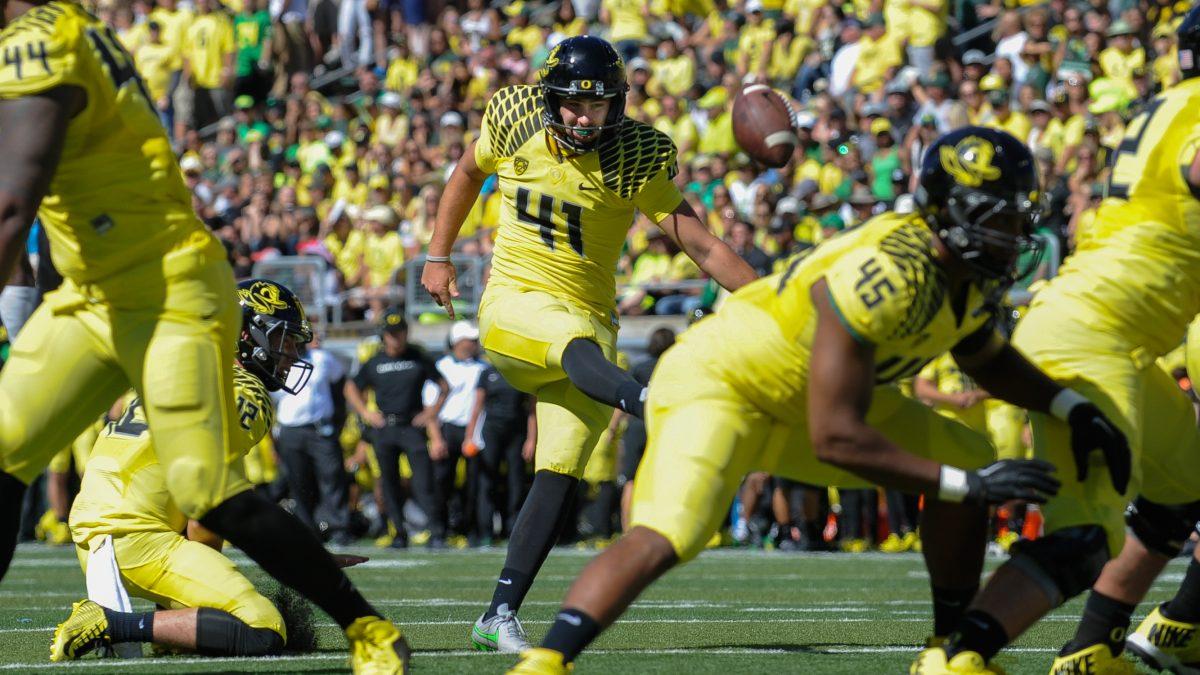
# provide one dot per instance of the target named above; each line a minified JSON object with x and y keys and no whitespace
{"x":437,"y":258}
{"x":952,"y":484}
{"x":1064,"y":401}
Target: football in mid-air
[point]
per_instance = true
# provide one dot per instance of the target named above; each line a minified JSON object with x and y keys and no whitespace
{"x":762,"y":125}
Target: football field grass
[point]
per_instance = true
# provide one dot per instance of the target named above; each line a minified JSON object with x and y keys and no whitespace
{"x":730,"y":611}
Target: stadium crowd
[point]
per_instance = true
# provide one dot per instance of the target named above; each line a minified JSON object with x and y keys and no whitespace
{"x":328,"y":129}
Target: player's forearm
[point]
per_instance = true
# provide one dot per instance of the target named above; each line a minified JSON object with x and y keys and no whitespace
{"x":721,"y":263}
{"x":198,"y":533}
{"x":457,"y":200}
{"x":928,"y":392}
{"x":865,"y":452}
{"x":1010,"y":376}
{"x":12,"y":238}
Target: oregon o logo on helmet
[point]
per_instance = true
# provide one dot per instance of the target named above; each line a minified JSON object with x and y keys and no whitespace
{"x":262,"y":297}
{"x":969,"y":162}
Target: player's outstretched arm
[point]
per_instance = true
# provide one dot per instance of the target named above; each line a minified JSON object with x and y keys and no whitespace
{"x":841,"y":381}
{"x":710,"y":253}
{"x":460,"y":194}
{"x":1005,"y":373}
{"x":30,"y":146}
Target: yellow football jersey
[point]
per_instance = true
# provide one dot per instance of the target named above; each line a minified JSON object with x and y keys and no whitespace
{"x":888,"y":290}
{"x":563,"y":221}
{"x":118,"y":197}
{"x":1136,"y":276}
{"x":124,"y":489}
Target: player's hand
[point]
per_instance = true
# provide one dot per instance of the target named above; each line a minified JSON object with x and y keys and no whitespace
{"x":441,"y":281}
{"x":439,"y":450}
{"x":345,"y":560}
{"x":1027,"y":480}
{"x":527,"y":450}
{"x":1091,"y":430}
{"x":375,"y":419}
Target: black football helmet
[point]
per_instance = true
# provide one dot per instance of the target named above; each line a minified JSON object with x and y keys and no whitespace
{"x":1189,"y":43}
{"x":974,"y":183}
{"x":274,"y":327}
{"x":582,"y":67}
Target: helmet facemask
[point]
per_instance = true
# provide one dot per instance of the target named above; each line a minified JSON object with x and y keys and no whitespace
{"x":992,"y":234}
{"x":271,"y":349}
{"x":564,"y":134}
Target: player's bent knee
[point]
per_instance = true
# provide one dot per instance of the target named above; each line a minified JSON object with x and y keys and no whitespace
{"x":1162,"y":528}
{"x":1064,"y":563}
{"x":219,"y":633}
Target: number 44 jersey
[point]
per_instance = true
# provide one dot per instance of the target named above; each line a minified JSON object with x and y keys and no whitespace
{"x":118,"y":197}
{"x":564,"y":219}
{"x":887,"y":289}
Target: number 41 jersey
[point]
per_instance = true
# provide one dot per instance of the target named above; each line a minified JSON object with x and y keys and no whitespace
{"x":563,"y":220}
{"x":118,"y":197}
{"x":887,"y":289}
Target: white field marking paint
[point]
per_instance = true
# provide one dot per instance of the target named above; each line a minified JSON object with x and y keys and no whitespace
{"x":809,"y":610}
{"x":825,"y":649}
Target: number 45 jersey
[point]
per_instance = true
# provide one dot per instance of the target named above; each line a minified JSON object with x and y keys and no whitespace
{"x":563,"y":220}
{"x":124,"y":489}
{"x":118,"y":197}
{"x":888,"y":291}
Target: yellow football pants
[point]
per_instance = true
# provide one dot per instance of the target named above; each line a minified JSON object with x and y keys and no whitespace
{"x":704,"y":437}
{"x":167,"y":328}
{"x":525,"y":333}
{"x":177,"y":573}
{"x":1139,"y":397}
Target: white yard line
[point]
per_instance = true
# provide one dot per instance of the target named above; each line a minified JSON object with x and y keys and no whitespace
{"x":421,"y":656}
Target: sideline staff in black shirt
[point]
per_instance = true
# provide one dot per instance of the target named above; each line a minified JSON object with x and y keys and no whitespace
{"x":397,"y":374}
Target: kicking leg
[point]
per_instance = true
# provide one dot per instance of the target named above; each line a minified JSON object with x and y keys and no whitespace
{"x":589,"y":370}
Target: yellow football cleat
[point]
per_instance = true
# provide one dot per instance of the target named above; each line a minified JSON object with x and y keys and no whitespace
{"x":932,"y":661}
{"x":1092,"y":660}
{"x":84,"y":630}
{"x":541,"y":661}
{"x":893,"y":544}
{"x":1166,"y":644}
{"x":854,"y":546}
{"x":377,"y":647}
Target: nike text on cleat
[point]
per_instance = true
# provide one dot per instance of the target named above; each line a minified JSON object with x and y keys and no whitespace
{"x":1095,"y":659}
{"x":1166,"y":644}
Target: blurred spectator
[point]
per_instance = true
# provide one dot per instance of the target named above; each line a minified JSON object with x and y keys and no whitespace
{"x":460,"y":369}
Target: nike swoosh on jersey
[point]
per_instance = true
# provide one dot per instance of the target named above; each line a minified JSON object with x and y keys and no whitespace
{"x":585,"y":186}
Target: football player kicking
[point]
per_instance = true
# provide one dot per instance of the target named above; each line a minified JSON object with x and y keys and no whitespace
{"x":128,"y":531}
{"x":1124,"y":298}
{"x":788,"y":378}
{"x":572,"y":170}
{"x":147,"y":303}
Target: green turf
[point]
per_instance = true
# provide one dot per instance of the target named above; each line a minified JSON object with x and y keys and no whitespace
{"x":727,"y":612}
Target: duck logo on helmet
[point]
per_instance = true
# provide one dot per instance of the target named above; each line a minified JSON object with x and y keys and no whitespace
{"x":969,"y":162}
{"x":262,"y":298}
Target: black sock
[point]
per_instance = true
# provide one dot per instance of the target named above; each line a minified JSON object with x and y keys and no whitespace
{"x":586,"y":366}
{"x":1185,"y":606}
{"x":949,"y":606}
{"x":130,"y":626}
{"x":288,"y":551}
{"x":1104,"y":621}
{"x":11,"y":492}
{"x":571,"y":633}
{"x":978,"y":632}
{"x":537,"y":528}
{"x":220,"y":633}
{"x":511,"y":587}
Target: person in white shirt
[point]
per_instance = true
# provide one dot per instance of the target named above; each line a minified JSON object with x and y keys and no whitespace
{"x":307,"y":444}
{"x":461,"y":369}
